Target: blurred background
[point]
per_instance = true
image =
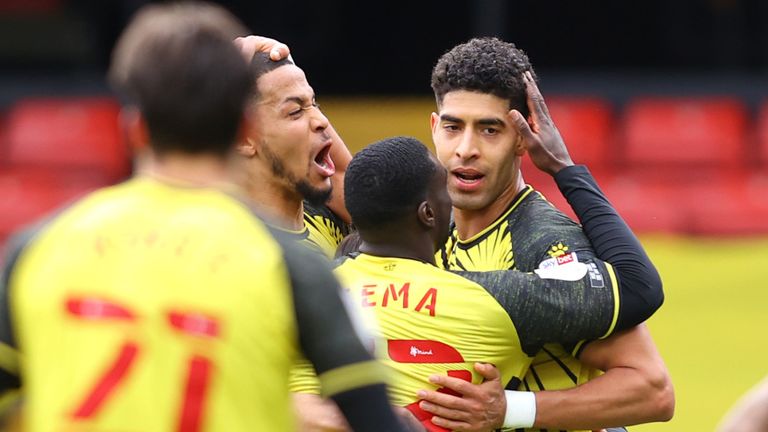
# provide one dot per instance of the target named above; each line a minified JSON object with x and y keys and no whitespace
{"x":666,"y":101}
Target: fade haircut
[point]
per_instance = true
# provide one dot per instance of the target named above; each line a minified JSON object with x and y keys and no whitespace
{"x":387,"y":180}
{"x":177,"y":63}
{"x":261,"y":65}
{"x":485,"y":65}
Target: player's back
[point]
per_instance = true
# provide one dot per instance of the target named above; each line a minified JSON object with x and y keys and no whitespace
{"x":149,"y":307}
{"x":431,"y":321}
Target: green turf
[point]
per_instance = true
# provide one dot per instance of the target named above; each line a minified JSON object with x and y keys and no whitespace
{"x":713,"y":328}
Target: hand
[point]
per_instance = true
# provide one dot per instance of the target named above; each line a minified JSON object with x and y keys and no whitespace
{"x":250,"y":45}
{"x":541,"y":139}
{"x":481,"y":407}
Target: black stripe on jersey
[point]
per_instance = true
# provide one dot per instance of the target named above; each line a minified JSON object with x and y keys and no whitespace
{"x":562,"y":365}
{"x":492,"y":228}
{"x":310,"y":220}
{"x":536,"y":377}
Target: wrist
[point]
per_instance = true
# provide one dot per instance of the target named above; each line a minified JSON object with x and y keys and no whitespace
{"x":521,"y":409}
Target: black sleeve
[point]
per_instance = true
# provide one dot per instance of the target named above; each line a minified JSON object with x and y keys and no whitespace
{"x":640,"y":286}
{"x":347,"y":372}
{"x":553,"y":310}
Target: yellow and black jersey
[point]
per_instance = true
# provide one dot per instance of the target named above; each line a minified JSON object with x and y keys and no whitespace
{"x":147,"y":306}
{"x":429,"y":321}
{"x":532,"y":235}
{"x":323,"y":230}
{"x":426,"y":320}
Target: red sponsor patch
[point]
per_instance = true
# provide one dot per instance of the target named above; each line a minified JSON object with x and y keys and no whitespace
{"x":422,"y":351}
{"x":565,"y":259}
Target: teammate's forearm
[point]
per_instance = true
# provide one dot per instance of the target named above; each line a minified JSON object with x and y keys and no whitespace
{"x":620,"y":397}
{"x":614,"y":242}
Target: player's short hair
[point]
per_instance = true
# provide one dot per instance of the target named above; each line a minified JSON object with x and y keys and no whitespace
{"x":387,"y":180}
{"x":261,"y":64}
{"x":178,"y":65}
{"x":486,"y":65}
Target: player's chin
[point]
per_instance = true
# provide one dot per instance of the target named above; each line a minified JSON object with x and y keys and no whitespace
{"x":467,"y":201}
{"x":316,"y":192}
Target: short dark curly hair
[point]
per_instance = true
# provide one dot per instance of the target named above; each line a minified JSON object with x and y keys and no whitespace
{"x":387,"y":180}
{"x":486,"y":65}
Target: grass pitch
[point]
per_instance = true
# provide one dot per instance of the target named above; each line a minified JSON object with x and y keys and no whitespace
{"x":713,"y":327}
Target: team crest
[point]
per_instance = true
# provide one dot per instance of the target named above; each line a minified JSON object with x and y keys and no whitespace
{"x":557,"y":250}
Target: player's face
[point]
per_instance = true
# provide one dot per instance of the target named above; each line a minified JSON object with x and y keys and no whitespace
{"x":440,"y":201}
{"x":291,"y":134}
{"x":476,"y":143}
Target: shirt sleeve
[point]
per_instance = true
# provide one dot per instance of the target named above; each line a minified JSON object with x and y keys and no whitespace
{"x":640,"y":285}
{"x":346,"y":370}
{"x":566,"y":306}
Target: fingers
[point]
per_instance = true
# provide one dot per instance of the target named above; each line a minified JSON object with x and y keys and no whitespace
{"x":521,"y":126}
{"x":488,"y":371}
{"x":250,"y":45}
{"x":442,"y":401}
{"x":458,"y":385}
{"x":451,"y":424}
{"x":445,"y":412}
{"x":536,"y":104}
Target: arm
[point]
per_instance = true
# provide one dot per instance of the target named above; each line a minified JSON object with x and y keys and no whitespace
{"x":635,"y":388}
{"x":347,"y":372}
{"x":750,"y":413}
{"x":340,"y":156}
{"x":611,"y":238}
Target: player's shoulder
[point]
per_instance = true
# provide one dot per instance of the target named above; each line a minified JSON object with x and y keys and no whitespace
{"x":322,"y":213}
{"x":540,"y":231}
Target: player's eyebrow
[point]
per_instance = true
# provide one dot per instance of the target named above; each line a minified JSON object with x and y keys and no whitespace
{"x":450,"y":118}
{"x":299,"y":100}
{"x":482,"y":122}
{"x":490,"y":122}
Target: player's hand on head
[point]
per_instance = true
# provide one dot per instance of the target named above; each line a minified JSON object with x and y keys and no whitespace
{"x":478,"y":408}
{"x":250,"y":45}
{"x":540,"y":136}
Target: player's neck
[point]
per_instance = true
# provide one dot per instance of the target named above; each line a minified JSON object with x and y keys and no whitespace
{"x":284,"y":207}
{"x":406,"y":242}
{"x":470,"y":222}
{"x":188,"y":170}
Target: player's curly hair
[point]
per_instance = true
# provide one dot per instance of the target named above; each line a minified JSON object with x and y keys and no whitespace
{"x":387,"y":180}
{"x":486,"y":65}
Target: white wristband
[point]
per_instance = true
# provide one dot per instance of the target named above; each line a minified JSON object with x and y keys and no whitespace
{"x":521,"y":409}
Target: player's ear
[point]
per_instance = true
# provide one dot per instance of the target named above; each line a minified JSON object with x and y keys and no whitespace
{"x":519,"y":147}
{"x":426,"y":215}
{"x":135,"y":129}
{"x":434,"y":119}
{"x":246,"y":146}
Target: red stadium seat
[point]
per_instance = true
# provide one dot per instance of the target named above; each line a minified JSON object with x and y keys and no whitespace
{"x":761,"y":132}
{"x":665,"y":132}
{"x":586,"y":125}
{"x":68,"y":134}
{"x":734,"y":206}
{"x":29,"y":195}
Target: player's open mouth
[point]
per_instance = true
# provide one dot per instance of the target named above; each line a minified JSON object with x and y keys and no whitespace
{"x":467,"y":179}
{"x":323,"y":161}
